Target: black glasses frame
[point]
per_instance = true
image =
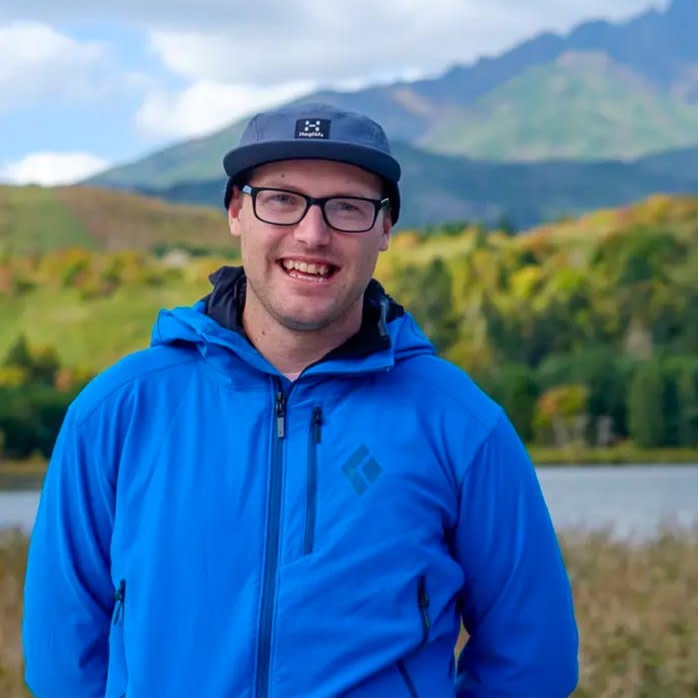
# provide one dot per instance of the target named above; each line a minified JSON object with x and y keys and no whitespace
{"x":378,"y":205}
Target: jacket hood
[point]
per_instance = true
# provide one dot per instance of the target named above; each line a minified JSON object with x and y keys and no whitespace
{"x":388,"y":333}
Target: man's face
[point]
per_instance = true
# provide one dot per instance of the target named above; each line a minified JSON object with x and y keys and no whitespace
{"x":282,"y":294}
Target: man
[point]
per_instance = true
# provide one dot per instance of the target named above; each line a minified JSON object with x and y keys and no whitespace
{"x":288,"y":494}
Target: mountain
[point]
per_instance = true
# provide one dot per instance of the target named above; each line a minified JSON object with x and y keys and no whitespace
{"x":678,"y":162}
{"x":438,"y":188}
{"x":659,"y":46}
{"x":603,"y":91}
{"x":582,"y":106}
{"x":35,"y":219}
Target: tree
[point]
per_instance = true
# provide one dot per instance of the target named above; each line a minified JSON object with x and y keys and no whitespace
{"x":426,"y":291}
{"x":19,"y":354}
{"x":561,"y":415}
{"x":684,"y":375}
{"x":647,"y":423}
{"x":513,"y":386}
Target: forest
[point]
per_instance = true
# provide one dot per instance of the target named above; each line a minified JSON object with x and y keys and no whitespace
{"x":585,"y":330}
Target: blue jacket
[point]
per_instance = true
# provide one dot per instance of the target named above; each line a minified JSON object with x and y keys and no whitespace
{"x":207,"y":528}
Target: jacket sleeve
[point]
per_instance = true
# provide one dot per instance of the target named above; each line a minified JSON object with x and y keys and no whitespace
{"x":68,"y":595}
{"x":516,"y":603}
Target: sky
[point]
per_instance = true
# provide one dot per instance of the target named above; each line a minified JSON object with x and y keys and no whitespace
{"x":86,"y":85}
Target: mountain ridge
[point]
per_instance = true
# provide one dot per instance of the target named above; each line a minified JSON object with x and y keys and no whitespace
{"x":652,"y":58}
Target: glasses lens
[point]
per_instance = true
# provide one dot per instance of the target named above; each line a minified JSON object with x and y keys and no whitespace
{"x":280,"y":207}
{"x":350,"y":214}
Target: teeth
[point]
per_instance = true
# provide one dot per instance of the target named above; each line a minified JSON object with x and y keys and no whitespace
{"x":305,"y":268}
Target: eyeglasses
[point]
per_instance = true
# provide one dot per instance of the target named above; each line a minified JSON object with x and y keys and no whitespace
{"x":348,"y":214}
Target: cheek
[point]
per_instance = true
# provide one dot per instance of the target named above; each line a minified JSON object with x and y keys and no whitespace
{"x":256,"y":244}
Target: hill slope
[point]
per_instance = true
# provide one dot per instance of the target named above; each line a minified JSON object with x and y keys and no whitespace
{"x":33,"y":219}
{"x":582,"y":107}
{"x":438,"y":188}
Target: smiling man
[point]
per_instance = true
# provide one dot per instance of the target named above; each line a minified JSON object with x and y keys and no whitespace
{"x":288,"y":494}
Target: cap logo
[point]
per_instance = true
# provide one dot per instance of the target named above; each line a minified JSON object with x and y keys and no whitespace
{"x":313,"y":128}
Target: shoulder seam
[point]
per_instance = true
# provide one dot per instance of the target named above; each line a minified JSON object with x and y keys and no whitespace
{"x":458,"y":399}
{"x":126,"y":382}
{"x":485,"y":440}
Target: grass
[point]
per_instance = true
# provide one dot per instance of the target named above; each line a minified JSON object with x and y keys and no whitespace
{"x":22,"y":474}
{"x":622,"y":454}
{"x":637,"y":610}
{"x":32,"y":219}
{"x":38,"y":220}
{"x":92,"y":333}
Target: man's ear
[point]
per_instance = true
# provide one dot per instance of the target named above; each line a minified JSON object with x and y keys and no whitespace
{"x":387,"y":226}
{"x":234,"y":208}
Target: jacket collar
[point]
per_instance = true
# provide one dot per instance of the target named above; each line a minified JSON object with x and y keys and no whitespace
{"x":226,"y":302}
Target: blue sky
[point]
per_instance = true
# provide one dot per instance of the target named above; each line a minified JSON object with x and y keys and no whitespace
{"x":85,"y":87}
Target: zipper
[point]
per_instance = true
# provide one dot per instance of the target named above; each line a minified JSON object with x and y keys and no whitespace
{"x":271,"y":560}
{"x":280,"y":412}
{"x":311,"y":496}
{"x":407,"y":679}
{"x":423,"y":602}
{"x":120,"y":600}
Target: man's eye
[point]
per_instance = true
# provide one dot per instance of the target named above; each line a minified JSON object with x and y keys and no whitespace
{"x":280,"y":199}
{"x":283,"y":199}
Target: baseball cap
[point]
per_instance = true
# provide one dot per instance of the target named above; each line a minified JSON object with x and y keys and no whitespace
{"x":318,"y":132}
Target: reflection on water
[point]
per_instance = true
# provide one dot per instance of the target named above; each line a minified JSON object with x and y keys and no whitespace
{"x":629,"y":501}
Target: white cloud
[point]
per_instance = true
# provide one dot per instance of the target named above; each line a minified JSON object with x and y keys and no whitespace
{"x":264,"y":16}
{"x":363,"y":40}
{"x":39,"y":62}
{"x":52,"y":168}
{"x":206,"y":106}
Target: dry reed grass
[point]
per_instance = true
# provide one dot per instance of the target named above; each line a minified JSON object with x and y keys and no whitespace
{"x":637,"y":609}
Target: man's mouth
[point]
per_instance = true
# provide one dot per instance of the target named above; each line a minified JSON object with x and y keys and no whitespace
{"x":308,"y":271}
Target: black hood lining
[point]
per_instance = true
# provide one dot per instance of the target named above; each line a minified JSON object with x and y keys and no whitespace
{"x":226,"y":302}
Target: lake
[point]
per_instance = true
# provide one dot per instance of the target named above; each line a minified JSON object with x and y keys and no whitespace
{"x":632,"y":502}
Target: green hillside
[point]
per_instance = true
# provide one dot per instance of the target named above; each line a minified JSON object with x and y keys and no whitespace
{"x":576,"y":327}
{"x":438,"y":188}
{"x":103,"y":303}
{"x":581,"y":107}
{"x":35,"y":219}
{"x":201,"y":158}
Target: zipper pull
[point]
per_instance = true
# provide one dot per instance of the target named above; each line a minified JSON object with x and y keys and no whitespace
{"x":317,"y":424}
{"x":280,"y":410}
{"x":120,"y":598}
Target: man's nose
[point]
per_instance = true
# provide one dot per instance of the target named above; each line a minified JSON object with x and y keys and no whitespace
{"x":312,"y":229}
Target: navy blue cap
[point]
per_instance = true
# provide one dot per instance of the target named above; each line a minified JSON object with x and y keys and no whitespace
{"x":318,"y":132}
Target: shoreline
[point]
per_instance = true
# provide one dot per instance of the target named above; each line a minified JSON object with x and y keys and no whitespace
{"x":29,"y":475}
{"x":620,"y":456}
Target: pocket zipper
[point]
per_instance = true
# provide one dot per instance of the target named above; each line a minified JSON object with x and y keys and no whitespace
{"x":314,"y":438}
{"x":423,"y":602}
{"x":120,"y":599}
